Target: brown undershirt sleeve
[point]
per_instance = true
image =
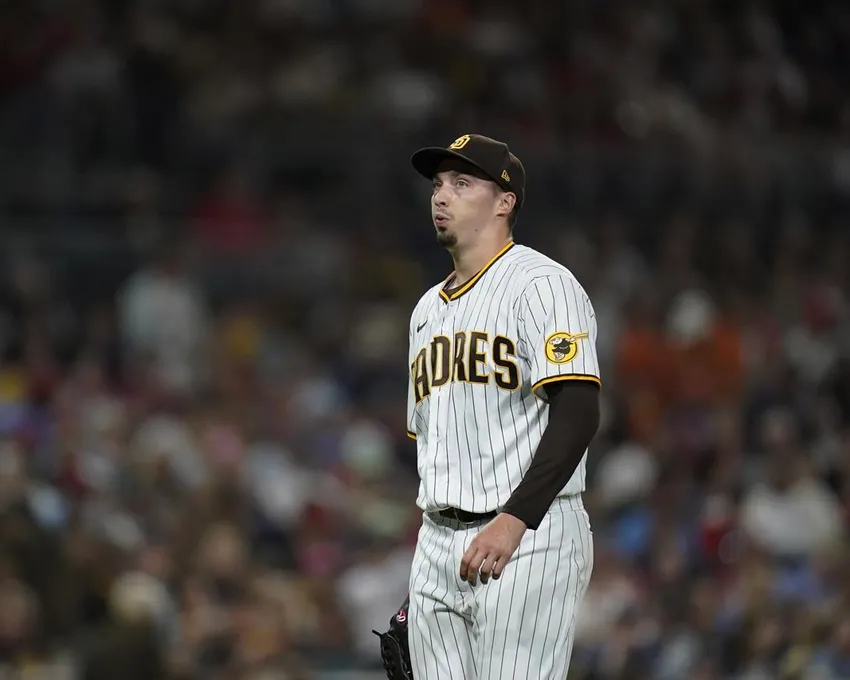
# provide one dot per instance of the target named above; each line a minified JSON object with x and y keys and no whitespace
{"x":573,"y":422}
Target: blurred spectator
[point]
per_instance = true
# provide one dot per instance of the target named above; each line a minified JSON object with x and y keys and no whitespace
{"x":791,"y":513}
{"x":164,"y":320}
{"x":377,"y":584}
{"x":138,"y":604}
{"x":229,"y":220}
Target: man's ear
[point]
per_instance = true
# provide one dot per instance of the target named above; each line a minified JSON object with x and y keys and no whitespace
{"x":507,"y":201}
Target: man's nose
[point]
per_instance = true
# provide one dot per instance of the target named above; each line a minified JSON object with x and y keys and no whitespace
{"x":440,"y":196}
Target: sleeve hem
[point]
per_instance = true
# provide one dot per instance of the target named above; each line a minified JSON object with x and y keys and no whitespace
{"x":530,"y":524}
{"x":562,"y":378}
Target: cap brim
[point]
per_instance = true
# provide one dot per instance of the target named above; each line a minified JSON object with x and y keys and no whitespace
{"x":427,"y":161}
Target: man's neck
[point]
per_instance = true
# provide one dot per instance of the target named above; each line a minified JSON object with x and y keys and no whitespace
{"x":471,"y":260}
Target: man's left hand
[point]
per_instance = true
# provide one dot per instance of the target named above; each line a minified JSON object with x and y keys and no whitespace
{"x":492,"y":547}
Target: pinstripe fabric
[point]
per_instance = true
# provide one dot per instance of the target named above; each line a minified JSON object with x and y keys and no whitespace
{"x":476,"y":438}
{"x":480,"y":362}
{"x":519,"y":627}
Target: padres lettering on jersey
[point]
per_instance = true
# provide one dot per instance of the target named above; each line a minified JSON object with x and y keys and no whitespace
{"x":464,"y":358}
{"x":480,"y":361}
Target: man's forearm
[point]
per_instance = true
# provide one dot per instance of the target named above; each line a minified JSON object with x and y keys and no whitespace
{"x":573,"y":422}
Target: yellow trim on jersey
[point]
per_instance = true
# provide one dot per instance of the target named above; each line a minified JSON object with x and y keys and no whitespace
{"x":469,"y":284}
{"x":559,"y":378}
{"x":411,"y":435}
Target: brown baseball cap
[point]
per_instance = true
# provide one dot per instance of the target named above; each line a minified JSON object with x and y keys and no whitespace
{"x":491,"y":157}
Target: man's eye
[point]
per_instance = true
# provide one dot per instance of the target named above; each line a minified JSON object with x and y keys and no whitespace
{"x":462,"y":183}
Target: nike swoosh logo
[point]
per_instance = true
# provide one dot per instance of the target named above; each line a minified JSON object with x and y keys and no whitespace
{"x":421,"y":326}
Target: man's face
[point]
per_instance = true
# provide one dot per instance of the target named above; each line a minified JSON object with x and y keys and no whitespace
{"x":461,"y":203}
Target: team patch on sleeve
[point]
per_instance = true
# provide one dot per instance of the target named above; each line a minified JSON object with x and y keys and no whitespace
{"x":561,"y":347}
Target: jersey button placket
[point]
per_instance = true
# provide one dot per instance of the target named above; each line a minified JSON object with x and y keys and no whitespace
{"x":434,"y":413}
{"x":440,"y":423}
{"x":436,"y":395}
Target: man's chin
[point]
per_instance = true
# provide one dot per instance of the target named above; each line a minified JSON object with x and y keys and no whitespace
{"x":446,"y":239}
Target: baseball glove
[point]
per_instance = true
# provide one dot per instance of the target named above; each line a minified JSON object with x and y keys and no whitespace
{"x":395,"y":651}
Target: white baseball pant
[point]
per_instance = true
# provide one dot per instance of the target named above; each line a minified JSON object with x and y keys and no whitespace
{"x":520,"y":627}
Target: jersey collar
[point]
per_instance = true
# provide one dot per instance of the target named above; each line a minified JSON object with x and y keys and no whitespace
{"x":469,"y":284}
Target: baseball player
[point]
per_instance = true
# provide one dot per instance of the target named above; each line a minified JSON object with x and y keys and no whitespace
{"x":503,"y":403}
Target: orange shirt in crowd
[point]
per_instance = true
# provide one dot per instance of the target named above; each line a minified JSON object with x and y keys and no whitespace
{"x":655,"y":373}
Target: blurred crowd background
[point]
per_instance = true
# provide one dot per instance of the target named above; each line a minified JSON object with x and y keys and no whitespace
{"x":211,"y":244}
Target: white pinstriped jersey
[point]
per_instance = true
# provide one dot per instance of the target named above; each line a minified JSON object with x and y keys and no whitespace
{"x":479,"y":363}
